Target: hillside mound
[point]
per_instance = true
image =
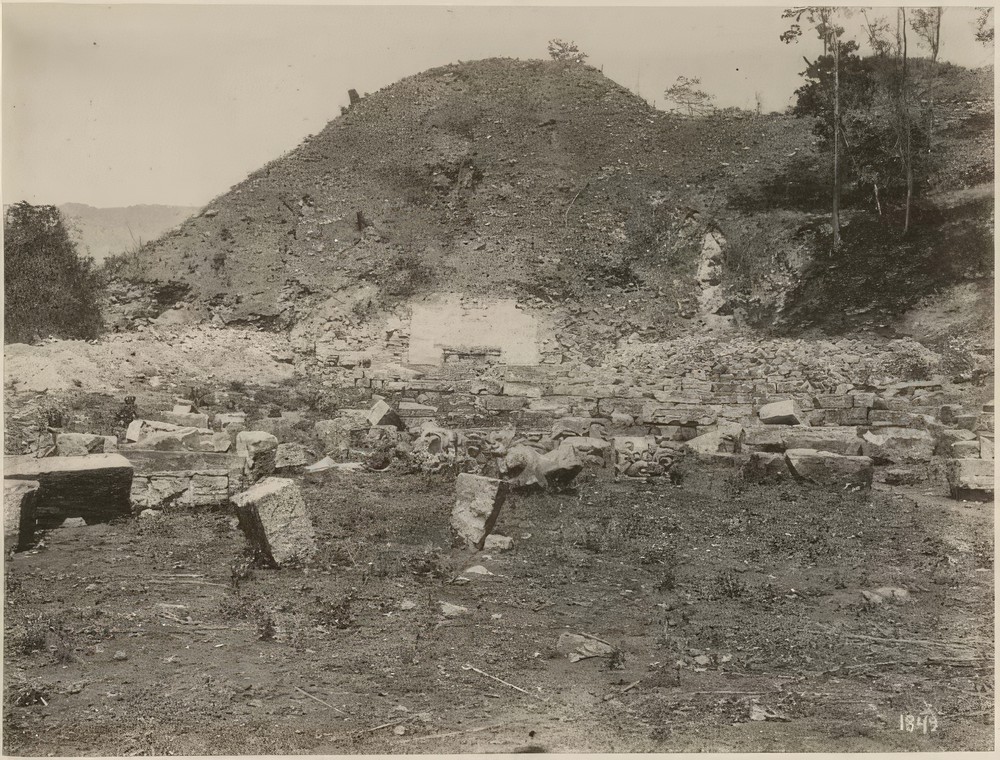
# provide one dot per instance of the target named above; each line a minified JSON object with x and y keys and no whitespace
{"x":549,"y":183}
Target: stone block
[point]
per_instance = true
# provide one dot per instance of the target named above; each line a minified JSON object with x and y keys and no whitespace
{"x":502,"y":403}
{"x":523,"y":389}
{"x":836,"y":440}
{"x":477,"y":506}
{"x":185,"y":420}
{"x":855,"y":415}
{"x":965,"y":449}
{"x":291,"y":455}
{"x":94,"y":487}
{"x":786,"y":412}
{"x":863,"y":400}
{"x":970,"y":479}
{"x":763,"y":439}
{"x":259,"y":450}
{"x":655,"y":413}
{"x":897,"y":445}
{"x":82,"y":444}
{"x":828,"y":469}
{"x":274,"y":520}
{"x":765,"y":467}
{"x":834,"y":402}
{"x":20,"y":499}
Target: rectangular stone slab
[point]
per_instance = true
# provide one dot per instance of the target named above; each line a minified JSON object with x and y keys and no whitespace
{"x":20,"y":498}
{"x":273,"y":518}
{"x":95,"y":487}
{"x":477,"y":506}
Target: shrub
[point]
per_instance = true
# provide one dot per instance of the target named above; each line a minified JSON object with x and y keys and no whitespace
{"x":49,"y":289}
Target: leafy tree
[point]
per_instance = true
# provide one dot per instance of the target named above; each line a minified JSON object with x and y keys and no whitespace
{"x":823,"y":20}
{"x":926,"y":23}
{"x":49,"y":289}
{"x":984,"y":26}
{"x":685,"y":93}
{"x":568,"y":52}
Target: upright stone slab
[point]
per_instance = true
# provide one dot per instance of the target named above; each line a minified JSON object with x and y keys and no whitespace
{"x":20,"y":498}
{"x":477,"y":506}
{"x":383,"y":414}
{"x":970,"y":479}
{"x":134,"y":431}
{"x":259,"y":449}
{"x":828,"y":469}
{"x":273,"y":518}
{"x":94,"y":487}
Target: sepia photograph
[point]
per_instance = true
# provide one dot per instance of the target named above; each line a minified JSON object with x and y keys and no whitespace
{"x":483,"y":378}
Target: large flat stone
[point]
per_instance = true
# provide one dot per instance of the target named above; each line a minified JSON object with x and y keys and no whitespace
{"x":477,"y":506}
{"x":20,"y":499}
{"x":836,"y":440}
{"x":94,"y":487}
{"x":970,"y":479}
{"x":897,"y":445}
{"x":828,"y":469}
{"x":273,"y":517}
{"x":83,"y":444}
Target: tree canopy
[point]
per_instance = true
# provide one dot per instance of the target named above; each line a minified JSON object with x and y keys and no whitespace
{"x":49,"y":289}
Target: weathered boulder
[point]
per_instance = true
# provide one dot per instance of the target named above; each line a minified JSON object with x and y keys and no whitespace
{"x":291,"y":455}
{"x":497,"y":543}
{"x":477,"y":506}
{"x":896,"y":445}
{"x":227,"y":419}
{"x":765,"y":467}
{"x":259,"y":450}
{"x":20,"y":498}
{"x":94,"y":487}
{"x":725,"y":440}
{"x":965,"y":449}
{"x":82,"y":444}
{"x":944,"y":438}
{"x":970,"y":479}
{"x":591,"y":450}
{"x":826,"y":468}
{"x":785,"y":412}
{"x":837,"y":440}
{"x":520,"y":465}
{"x":592,"y":427}
{"x":274,"y":520}
{"x":560,"y":466}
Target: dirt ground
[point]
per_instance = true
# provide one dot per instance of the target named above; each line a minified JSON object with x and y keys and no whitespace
{"x":735,"y":611}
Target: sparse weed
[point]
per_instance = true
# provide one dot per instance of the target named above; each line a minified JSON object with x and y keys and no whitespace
{"x":729,"y":585}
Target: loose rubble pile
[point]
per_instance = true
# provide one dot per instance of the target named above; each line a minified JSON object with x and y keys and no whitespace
{"x":842,"y":422}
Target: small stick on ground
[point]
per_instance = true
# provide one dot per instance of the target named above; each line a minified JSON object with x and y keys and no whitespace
{"x":322,"y":702}
{"x":566,"y":215}
{"x":467,"y":666}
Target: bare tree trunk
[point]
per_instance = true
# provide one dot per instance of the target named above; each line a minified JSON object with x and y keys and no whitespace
{"x":907,"y":130}
{"x":835,"y":220}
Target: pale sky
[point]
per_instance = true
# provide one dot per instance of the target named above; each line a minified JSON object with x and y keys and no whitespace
{"x":115,"y":105}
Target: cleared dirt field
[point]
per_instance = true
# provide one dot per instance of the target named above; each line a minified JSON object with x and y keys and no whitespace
{"x":725,"y":603}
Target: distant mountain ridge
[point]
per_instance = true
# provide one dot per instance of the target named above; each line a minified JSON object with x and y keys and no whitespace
{"x":103,"y":232}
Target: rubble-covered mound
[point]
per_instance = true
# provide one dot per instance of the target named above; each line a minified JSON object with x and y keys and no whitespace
{"x":549,"y":183}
